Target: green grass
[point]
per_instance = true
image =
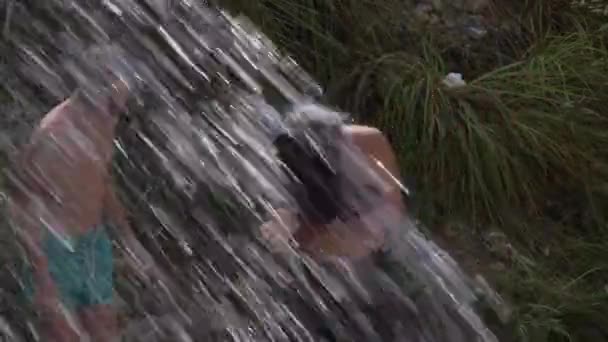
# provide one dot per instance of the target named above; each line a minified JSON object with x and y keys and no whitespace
{"x":561,"y":296}
{"x":521,"y":147}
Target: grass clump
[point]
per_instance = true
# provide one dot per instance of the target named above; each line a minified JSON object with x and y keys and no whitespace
{"x":500,"y":141}
{"x":519,"y":147}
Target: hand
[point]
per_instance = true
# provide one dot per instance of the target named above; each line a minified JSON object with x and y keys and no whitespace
{"x":276,"y":235}
{"x":279,"y":232}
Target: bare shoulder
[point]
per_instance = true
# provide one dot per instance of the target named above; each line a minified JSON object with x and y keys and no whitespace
{"x":366,"y":137}
{"x":374,"y":143}
{"x":41,"y":150}
{"x":44,"y":136}
{"x":361,"y":131}
{"x":54,"y":116}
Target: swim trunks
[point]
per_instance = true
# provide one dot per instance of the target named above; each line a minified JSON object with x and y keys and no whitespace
{"x":81,"y":267}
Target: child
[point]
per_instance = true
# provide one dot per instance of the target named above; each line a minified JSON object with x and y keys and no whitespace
{"x":348,"y":200}
{"x":62,"y":202}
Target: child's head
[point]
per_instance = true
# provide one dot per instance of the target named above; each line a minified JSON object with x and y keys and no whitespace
{"x":105,"y":77}
{"x":310,"y":151}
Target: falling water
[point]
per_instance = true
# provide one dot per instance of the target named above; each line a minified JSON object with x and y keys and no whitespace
{"x":196,"y":167}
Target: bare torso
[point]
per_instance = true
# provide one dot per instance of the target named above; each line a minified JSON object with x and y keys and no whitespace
{"x":68,"y":159}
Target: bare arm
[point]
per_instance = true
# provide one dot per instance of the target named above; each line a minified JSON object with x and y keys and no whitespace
{"x":279,"y":230}
{"x":26,"y":194}
{"x":26,"y":206}
{"x":24,"y":218}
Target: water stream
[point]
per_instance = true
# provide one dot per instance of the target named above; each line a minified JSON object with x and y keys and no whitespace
{"x":197,"y":169}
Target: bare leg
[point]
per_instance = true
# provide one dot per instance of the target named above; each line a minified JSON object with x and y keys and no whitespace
{"x":54,"y":319}
{"x":55,"y":326}
{"x":58,"y":330}
{"x":101,"y":323}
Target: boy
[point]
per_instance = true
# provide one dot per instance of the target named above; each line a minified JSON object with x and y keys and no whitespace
{"x":62,"y":202}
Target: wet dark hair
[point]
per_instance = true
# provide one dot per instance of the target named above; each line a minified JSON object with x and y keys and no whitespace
{"x":312,"y":157}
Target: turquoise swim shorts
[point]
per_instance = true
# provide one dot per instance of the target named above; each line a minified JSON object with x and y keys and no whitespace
{"x":82,"y":268}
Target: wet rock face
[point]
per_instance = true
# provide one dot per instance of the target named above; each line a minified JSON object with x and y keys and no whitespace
{"x":471,"y":19}
{"x":461,"y":19}
{"x":597,"y":7}
{"x":468,"y":6}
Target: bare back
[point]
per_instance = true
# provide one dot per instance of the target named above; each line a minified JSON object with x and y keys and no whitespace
{"x":68,"y":160}
{"x":376,"y":175}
